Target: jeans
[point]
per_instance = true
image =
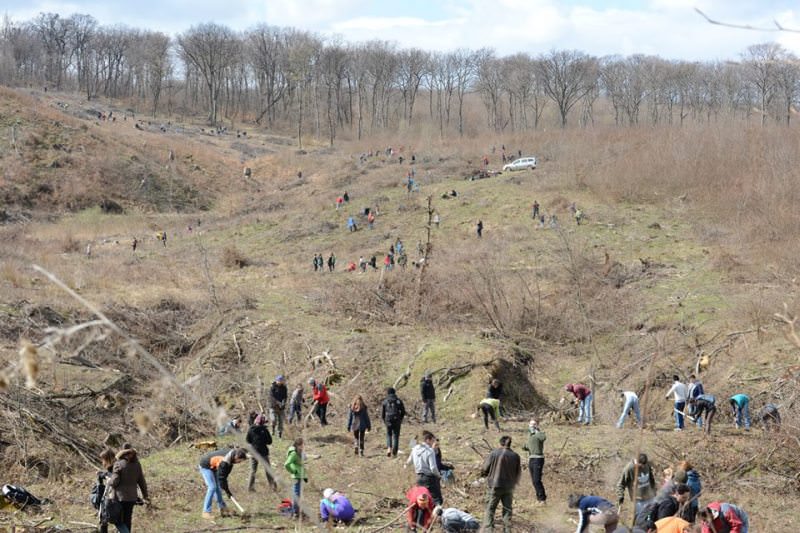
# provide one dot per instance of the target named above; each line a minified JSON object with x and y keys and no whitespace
{"x":295,"y":412}
{"x":585,"y":409}
{"x":428,"y":406}
{"x":494,"y":497}
{"x":630,"y":404}
{"x":296,"y":488}
{"x":358,"y":439}
{"x":277,"y":414}
{"x":679,"y":414}
{"x":743,"y":412}
{"x":213,"y":490}
{"x":321,"y":411}
{"x":393,"y":436}
{"x":535,"y":466}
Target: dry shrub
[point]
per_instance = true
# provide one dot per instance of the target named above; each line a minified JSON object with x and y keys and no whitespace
{"x":232,"y":257}
{"x":70,"y":244}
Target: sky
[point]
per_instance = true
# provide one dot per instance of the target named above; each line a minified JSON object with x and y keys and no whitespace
{"x":667,"y":28}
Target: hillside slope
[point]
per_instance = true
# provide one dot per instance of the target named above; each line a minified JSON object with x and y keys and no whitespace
{"x":634,"y":294}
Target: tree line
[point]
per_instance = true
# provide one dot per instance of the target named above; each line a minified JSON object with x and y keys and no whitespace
{"x":286,"y":77}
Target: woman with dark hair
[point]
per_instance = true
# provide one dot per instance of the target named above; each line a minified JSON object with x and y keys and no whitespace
{"x":358,"y":422}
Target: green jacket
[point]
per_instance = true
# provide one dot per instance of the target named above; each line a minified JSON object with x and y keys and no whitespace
{"x":294,"y":464}
{"x":535,"y":444}
{"x":645,"y":485}
{"x":494,"y":404}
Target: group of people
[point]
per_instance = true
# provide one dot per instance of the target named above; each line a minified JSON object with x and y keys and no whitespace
{"x":118,"y":486}
{"x":690,"y":400}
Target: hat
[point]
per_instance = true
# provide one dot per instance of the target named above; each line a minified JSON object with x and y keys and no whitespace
{"x":327,"y":493}
{"x":279,"y":379}
{"x":260,"y":420}
{"x":679,"y":476}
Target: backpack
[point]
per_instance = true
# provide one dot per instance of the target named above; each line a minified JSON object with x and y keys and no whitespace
{"x":19,"y":496}
{"x":96,"y":496}
{"x":394,"y":410}
{"x":646,"y":518}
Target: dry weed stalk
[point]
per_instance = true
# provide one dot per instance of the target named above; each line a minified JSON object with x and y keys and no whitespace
{"x":791,"y":321}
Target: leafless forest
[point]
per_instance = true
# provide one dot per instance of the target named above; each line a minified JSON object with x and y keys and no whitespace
{"x":313,"y":85}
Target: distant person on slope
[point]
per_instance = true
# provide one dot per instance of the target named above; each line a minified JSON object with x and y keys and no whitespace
{"x":630,"y":406}
{"x":392,"y":413}
{"x":740,"y":408}
{"x":358,"y":422}
{"x":215,"y":467}
{"x":704,"y":408}
{"x":583,"y":397}
{"x":428,"y":395}
{"x":259,"y":438}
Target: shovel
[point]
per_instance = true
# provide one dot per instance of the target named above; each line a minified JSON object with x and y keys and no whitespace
{"x":241,"y":509}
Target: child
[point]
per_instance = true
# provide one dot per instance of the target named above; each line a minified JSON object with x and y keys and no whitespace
{"x":296,"y":404}
{"x":294,"y":465}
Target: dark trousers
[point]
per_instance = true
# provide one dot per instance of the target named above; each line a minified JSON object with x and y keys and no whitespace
{"x":535,"y":466}
{"x":433,"y":485}
{"x":321,"y":411}
{"x":254,"y":468}
{"x":489,"y":412}
{"x":493,"y":498}
{"x":393,"y":436}
{"x":358,"y":439}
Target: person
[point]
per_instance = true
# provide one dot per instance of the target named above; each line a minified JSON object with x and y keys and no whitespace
{"x":335,"y":508}
{"x":679,"y":392}
{"x":107,"y":459}
{"x":362,"y":264}
{"x":490,"y":407}
{"x":215,"y":467}
{"x":339,"y":202}
{"x":392,"y":413}
{"x":495,"y":389}
{"x":259,"y":439}
{"x":479,"y":228}
{"x":445,"y":469}
{"x":502,"y":469}
{"x":704,"y":408}
{"x":420,"y":508}
{"x":672,"y":524}
{"x":316,"y":262}
{"x":670,"y":505}
{"x":535,"y":449}
{"x":428,"y":393}
{"x":578,"y":216}
{"x":294,"y":465}
{"x":331,"y":262}
{"x":296,"y":404}
{"x":320,"y":396}
{"x":371,"y":220}
{"x":232,"y":427}
{"x":583,"y":397}
{"x":686,"y":473}
{"x":723,"y":518}
{"x":164,"y":238}
{"x":593,"y":510}
{"x":373,"y":262}
{"x":134,"y":244}
{"x":346,"y":197}
{"x":278,"y":394}
{"x":351,"y":224}
{"x":638,"y":480}
{"x":630,"y":405}
{"x":740,"y":409}
{"x":536,"y":206}
{"x":127,"y":478}
{"x":424,"y":459}
{"x":358,"y":422}
{"x":695,"y":389}
{"x":456,"y":521}
{"x":770,"y":417}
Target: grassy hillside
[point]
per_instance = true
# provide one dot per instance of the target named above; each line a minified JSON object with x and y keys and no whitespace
{"x":637,"y":292}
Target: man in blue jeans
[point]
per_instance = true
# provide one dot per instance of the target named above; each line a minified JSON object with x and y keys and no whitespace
{"x":680,"y":392}
{"x":630,"y":404}
{"x":740,"y":404}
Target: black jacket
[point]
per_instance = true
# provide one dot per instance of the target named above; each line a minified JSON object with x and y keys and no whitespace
{"x":278,"y":393}
{"x":400,"y":409}
{"x":667,"y":507}
{"x":426,"y":389}
{"x":259,"y":438}
{"x":495,"y":392}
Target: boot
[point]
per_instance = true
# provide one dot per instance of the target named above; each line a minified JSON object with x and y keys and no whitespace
{"x":389,"y":452}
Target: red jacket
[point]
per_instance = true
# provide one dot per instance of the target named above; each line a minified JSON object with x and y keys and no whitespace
{"x":580,"y":391}
{"x":729,"y":519}
{"x":320,"y":394}
{"x":412,"y":495}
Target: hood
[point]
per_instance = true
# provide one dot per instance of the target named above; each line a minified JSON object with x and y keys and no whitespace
{"x":419,"y":449}
{"x":128,"y":455}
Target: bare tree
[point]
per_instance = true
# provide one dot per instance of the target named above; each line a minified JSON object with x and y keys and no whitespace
{"x":762,"y":63}
{"x":567,"y":76}
{"x":209,"y":48}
